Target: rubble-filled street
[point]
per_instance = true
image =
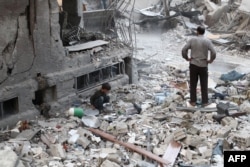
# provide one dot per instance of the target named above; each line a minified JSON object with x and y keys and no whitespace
{"x":149,"y":123}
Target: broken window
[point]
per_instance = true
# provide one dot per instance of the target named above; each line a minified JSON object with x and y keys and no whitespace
{"x":99,"y":76}
{"x":94,"y":77}
{"x":82,"y":81}
{"x":45,"y":95}
{"x":9,"y":107}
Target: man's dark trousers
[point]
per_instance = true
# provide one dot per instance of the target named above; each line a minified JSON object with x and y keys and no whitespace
{"x":196,"y":73}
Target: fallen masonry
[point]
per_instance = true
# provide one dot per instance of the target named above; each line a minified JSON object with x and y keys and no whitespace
{"x":148,"y":123}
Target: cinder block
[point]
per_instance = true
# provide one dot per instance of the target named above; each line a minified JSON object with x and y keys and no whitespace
{"x":180,"y":134}
{"x":242,"y":139}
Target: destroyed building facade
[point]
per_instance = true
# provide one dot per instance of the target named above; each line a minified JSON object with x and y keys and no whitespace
{"x":40,"y":65}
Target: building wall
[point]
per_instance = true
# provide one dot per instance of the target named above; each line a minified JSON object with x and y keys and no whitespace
{"x":33,"y":61}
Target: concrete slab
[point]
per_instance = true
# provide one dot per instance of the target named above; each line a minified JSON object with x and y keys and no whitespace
{"x":28,"y":134}
{"x":87,"y":45}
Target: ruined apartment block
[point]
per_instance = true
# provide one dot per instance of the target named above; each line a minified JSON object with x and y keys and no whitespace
{"x":54,"y":51}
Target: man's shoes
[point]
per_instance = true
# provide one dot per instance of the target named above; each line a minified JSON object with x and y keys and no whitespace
{"x":209,"y":105}
{"x":191,"y":104}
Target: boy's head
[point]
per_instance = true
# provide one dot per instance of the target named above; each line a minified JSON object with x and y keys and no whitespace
{"x":200,"y":30}
{"x":106,"y":88}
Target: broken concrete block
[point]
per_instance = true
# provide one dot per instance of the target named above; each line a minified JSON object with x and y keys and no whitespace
{"x":224,"y":131}
{"x":57,"y":151}
{"x":14,"y":133}
{"x":108,"y":163}
{"x":180,"y":134}
{"x":106,"y":151}
{"x":121,"y":128}
{"x":229,"y":121}
{"x":115,"y":158}
{"x":104,"y":125}
{"x":190,"y":154}
{"x":37,"y":151}
{"x":204,"y":151}
{"x":159,"y":150}
{"x":137,"y":156}
{"x":213,"y":17}
{"x":83,"y":141}
{"x":144,"y":164}
{"x":8,"y":158}
{"x":200,"y":161}
{"x":28,"y":134}
{"x":73,"y":138}
{"x":193,"y":141}
{"x":91,"y":121}
{"x":245,"y":107}
{"x":25,"y":148}
{"x":193,"y":130}
{"x":242,"y":139}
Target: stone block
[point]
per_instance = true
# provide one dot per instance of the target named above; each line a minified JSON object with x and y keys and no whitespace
{"x":83,"y":141}
{"x":200,"y":161}
{"x":193,"y":141}
{"x":193,"y":130}
{"x":57,"y":151}
{"x":14,"y":133}
{"x":159,"y":150}
{"x":108,"y":163}
{"x":121,"y":128}
{"x":136,"y":156}
{"x":28,"y":134}
{"x":115,"y":158}
{"x":179,"y":134}
{"x":224,"y":131}
{"x":229,"y":121}
{"x":104,"y":125}
{"x":242,"y":139}
{"x":190,"y":154}
{"x":107,"y":151}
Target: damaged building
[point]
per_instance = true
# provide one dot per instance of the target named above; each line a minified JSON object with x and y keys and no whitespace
{"x":53,"y":51}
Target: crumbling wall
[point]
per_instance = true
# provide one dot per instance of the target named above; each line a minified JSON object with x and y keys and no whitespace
{"x":30,"y":45}
{"x":34,"y":66}
{"x":27,"y":44}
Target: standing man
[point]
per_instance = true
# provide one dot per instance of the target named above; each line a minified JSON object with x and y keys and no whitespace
{"x":199,"y":46}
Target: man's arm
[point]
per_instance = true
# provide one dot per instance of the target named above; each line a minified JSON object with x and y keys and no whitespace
{"x":212,"y":52}
{"x":185,"y":50}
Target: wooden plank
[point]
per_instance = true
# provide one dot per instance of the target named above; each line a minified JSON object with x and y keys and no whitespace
{"x":130,"y":146}
{"x":87,"y":45}
{"x":172,"y":152}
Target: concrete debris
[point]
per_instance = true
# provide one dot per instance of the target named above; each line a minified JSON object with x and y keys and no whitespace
{"x":91,"y":121}
{"x":108,"y":163}
{"x":57,"y":150}
{"x":149,"y":121}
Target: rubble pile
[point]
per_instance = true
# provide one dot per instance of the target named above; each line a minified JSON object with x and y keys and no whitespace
{"x":150,"y":115}
{"x":145,"y":124}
